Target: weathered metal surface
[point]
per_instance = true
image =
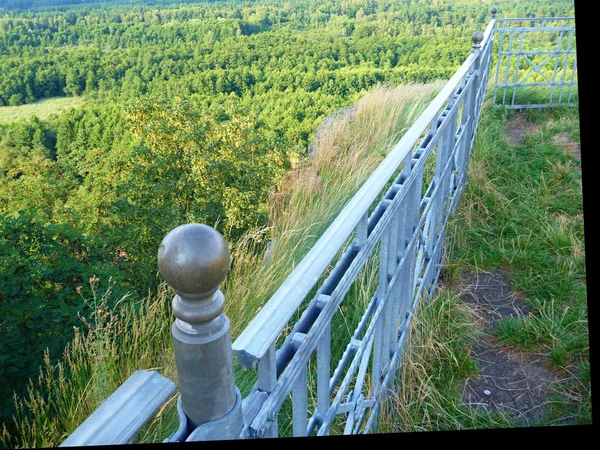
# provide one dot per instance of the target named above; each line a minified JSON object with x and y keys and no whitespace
{"x":408,"y":267}
{"x":264,"y":329}
{"x":194,"y":260}
{"x":119,"y":419}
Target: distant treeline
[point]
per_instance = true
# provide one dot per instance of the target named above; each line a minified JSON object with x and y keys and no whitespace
{"x":28,"y":4}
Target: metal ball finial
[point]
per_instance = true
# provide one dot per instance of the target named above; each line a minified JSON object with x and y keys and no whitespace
{"x":477,"y":38}
{"x":194,"y":260}
{"x":494,"y":10}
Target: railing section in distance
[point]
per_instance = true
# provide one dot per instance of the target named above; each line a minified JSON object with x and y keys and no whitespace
{"x":536,"y":63}
{"x":392,"y":231}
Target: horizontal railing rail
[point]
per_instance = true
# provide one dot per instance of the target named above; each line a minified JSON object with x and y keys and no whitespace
{"x":119,"y":419}
{"x":410,"y":253}
{"x":254,"y":342}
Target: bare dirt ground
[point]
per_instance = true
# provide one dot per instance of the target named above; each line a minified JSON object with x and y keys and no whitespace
{"x":518,"y":127}
{"x":510,"y":380}
{"x":570,"y":145}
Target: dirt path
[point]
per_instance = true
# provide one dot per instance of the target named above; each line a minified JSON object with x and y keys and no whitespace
{"x":510,"y":380}
{"x":518,"y":127}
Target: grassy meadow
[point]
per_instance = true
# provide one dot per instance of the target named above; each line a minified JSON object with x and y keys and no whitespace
{"x":42,"y":109}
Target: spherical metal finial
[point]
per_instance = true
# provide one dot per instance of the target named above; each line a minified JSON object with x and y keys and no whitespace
{"x":194,"y":260}
{"x":494,"y":11}
{"x":477,"y":38}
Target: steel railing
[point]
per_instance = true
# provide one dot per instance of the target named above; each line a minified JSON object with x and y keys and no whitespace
{"x":395,"y":224}
{"x":536,"y":63}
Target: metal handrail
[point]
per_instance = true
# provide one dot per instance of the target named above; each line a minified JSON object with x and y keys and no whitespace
{"x":254,"y":342}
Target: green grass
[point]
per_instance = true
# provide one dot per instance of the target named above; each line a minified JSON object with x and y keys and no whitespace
{"x":538,"y":95}
{"x":521,"y":212}
{"x":42,"y":109}
{"x":433,"y":372}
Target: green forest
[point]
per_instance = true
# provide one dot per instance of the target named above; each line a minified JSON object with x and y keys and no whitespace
{"x":190,"y":111}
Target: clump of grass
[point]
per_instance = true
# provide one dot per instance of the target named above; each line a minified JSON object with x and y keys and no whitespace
{"x":309,"y":197}
{"x":539,"y":95}
{"x":522,"y":212}
{"x":118,"y":341}
{"x":559,"y":331}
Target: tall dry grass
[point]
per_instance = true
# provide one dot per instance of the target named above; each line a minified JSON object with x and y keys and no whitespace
{"x":118,"y":341}
{"x":309,"y":197}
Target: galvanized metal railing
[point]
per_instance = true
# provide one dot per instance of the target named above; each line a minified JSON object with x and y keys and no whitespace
{"x":394,"y":224}
{"x":405,"y":230}
{"x":536,"y":54}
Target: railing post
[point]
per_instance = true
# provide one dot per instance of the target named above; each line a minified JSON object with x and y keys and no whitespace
{"x":473,"y":100}
{"x":194,"y":260}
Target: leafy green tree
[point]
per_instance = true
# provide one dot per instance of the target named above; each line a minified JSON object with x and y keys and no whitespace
{"x":216,"y":165}
{"x":45,"y":271}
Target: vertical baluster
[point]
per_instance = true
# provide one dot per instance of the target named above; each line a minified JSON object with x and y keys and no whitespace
{"x":564,"y":74}
{"x":457,"y":166}
{"x":379,"y":353}
{"x":466,"y":120}
{"x":449,"y":140}
{"x":358,"y":386}
{"x":514,"y":93}
{"x":392,"y":299}
{"x":401,"y":235}
{"x":362,"y":230}
{"x":323,"y":373}
{"x":394,"y":227}
{"x":510,"y":47}
{"x":500,"y":45}
{"x":560,"y":38}
{"x":444,"y":144}
{"x":300,"y":404}
{"x":473,"y":110}
{"x":267,"y":377}
{"x":413,"y":220}
{"x":430,"y":222}
{"x":490,"y":46}
{"x":433,"y":208}
{"x":406,"y":282}
{"x":572,"y":78}
{"x":485,"y":71}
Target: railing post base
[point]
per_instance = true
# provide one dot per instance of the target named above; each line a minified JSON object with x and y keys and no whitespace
{"x":226,"y":428}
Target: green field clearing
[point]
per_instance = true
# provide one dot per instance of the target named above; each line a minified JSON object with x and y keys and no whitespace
{"x":42,"y":109}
